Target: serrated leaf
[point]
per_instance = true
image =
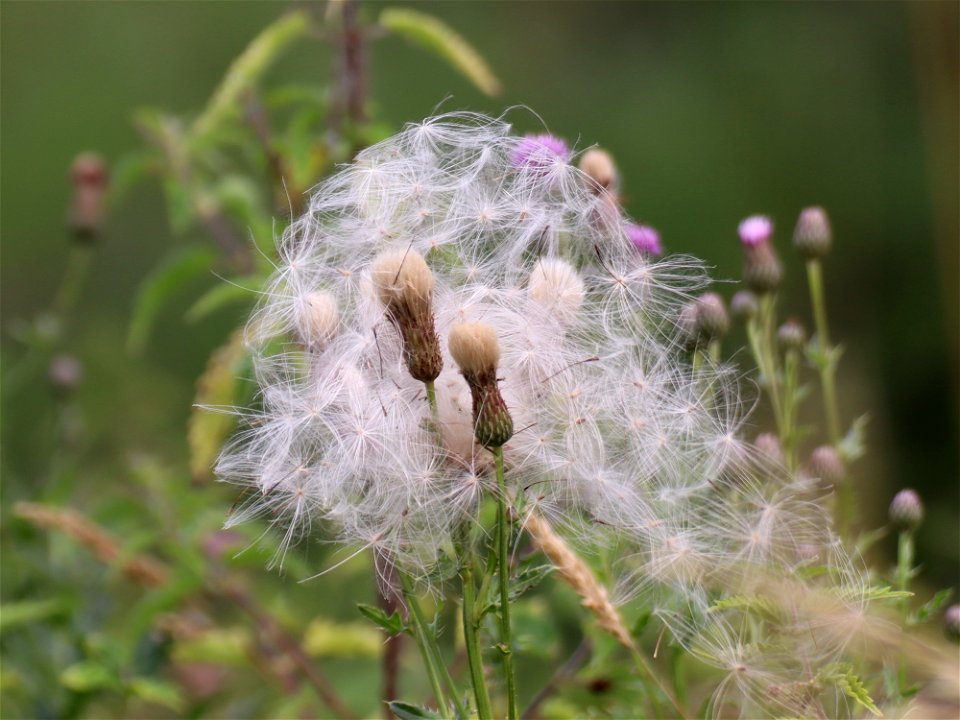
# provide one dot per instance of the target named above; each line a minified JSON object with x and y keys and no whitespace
{"x":407,"y":711}
{"x":853,"y":688}
{"x":157,"y":692}
{"x":853,"y":446}
{"x":217,"y":388}
{"x":88,"y":676}
{"x":160,"y":286}
{"x":233,"y":292}
{"x":877,"y":592}
{"x":28,"y":611}
{"x":393,"y":624}
{"x":528,"y":578}
{"x":930,"y":608}
{"x":435,"y":35}
{"x":749,"y":603}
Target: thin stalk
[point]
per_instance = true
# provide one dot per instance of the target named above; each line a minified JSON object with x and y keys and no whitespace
{"x":432,"y":400}
{"x":472,"y":640}
{"x":904,"y":565}
{"x":644,"y":667}
{"x":506,"y":638}
{"x":422,"y":637}
{"x":827,"y":367}
{"x":790,"y":378}
{"x":757,"y":335}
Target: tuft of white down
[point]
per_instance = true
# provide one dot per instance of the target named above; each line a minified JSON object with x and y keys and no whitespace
{"x":616,"y":435}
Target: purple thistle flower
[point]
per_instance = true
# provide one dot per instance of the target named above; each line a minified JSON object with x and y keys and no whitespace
{"x":755,"y":230}
{"x":539,"y":152}
{"x":644,"y":238}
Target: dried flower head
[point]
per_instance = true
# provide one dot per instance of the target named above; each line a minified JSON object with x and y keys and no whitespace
{"x":459,"y":253}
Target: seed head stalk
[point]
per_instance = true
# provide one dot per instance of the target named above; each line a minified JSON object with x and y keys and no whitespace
{"x":760,"y":335}
{"x":506,"y":638}
{"x":471,"y":635}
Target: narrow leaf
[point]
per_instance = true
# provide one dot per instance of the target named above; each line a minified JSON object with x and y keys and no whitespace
{"x":438,"y":37}
{"x":393,"y":624}
{"x":240,"y":291}
{"x":87,"y":676}
{"x":217,"y":388}
{"x":406,"y":711}
{"x":160,"y":286}
{"x":28,"y":611}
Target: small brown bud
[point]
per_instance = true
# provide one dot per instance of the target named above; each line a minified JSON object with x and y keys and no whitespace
{"x":89,"y":177}
{"x":813,"y":237}
{"x":404,"y":285}
{"x":791,"y":335}
{"x":476,"y":350}
{"x":598,"y":165}
{"x":826,"y":465}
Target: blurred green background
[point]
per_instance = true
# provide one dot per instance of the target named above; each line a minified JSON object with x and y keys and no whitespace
{"x":713,"y":111}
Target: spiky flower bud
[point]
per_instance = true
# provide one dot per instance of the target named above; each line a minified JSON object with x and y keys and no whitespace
{"x":906,"y":510}
{"x":762,"y":271}
{"x":712,"y":319}
{"x":825,"y":464}
{"x":744,"y":305}
{"x":768,"y":445}
{"x":476,"y":350}
{"x":89,"y":177}
{"x":791,"y":335}
{"x":599,"y":167}
{"x":317,"y":318}
{"x":951,"y":622}
{"x":404,"y":285}
{"x":644,"y":238}
{"x":813,"y":237}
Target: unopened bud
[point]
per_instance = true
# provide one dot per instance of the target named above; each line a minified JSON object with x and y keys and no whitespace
{"x":762,"y":271}
{"x":65,"y":373}
{"x":556,"y":286}
{"x":712,"y":319}
{"x":644,"y":238}
{"x":768,"y":445}
{"x":317,"y":318}
{"x":791,"y":335}
{"x":89,"y":177}
{"x":951,"y":622}
{"x":826,"y":465}
{"x":599,"y":167}
{"x":476,"y":350}
{"x":906,"y":510}
{"x":744,"y":305}
{"x":813,"y":237}
{"x":404,"y":284}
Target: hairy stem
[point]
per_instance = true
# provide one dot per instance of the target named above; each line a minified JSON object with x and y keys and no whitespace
{"x":471,"y":635}
{"x":506,"y":638}
{"x":422,"y":636}
{"x":828,"y":366}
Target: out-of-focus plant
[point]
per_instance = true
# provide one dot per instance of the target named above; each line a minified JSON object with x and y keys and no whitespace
{"x":493,"y":574}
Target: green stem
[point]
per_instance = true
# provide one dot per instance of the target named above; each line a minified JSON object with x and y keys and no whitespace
{"x":904,"y":565}
{"x":422,"y":637}
{"x":827,"y":366}
{"x":506,"y":639}
{"x":471,"y":638}
{"x":759,"y":335}
{"x":790,"y":377}
{"x":73,"y":280}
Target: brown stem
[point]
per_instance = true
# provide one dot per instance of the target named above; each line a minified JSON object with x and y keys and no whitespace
{"x":351,"y":72}
{"x":288,"y":645}
{"x":389,"y":602}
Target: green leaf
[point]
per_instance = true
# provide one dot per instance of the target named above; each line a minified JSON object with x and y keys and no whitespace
{"x":250,"y":66}
{"x":926,"y":611}
{"x":749,"y":603}
{"x":852,"y":687}
{"x":527,"y":578}
{"x":160,"y":285}
{"x":853,"y":446}
{"x":157,"y":692}
{"x":325,"y":638}
{"x":210,"y":421}
{"x":393,"y":624}
{"x":28,"y":611}
{"x":88,"y":676}
{"x":130,"y":170}
{"x":641,"y":623}
{"x":438,"y":37}
{"x":239,"y":291}
{"x":406,"y":711}
{"x":877,"y":592}
{"x":181,"y":208}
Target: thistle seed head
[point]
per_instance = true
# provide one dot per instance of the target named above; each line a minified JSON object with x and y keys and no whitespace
{"x":556,"y":286}
{"x":826,"y":465}
{"x":599,"y":167}
{"x":317,"y":318}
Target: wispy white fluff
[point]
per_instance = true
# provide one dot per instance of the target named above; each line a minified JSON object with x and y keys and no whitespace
{"x":612,"y":424}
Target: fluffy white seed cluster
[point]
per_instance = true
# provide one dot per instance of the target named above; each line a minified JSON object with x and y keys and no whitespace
{"x":456,"y":220}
